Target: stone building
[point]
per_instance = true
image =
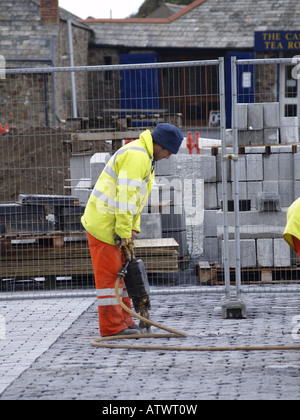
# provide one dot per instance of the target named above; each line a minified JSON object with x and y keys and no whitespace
{"x":34,"y":34}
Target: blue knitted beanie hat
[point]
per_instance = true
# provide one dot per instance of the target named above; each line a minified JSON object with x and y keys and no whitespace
{"x":168,"y":137}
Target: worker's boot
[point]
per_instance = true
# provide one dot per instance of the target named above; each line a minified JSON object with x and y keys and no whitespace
{"x":129,"y":331}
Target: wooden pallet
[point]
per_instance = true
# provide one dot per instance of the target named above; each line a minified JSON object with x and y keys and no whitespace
{"x":55,"y":239}
{"x":51,"y":255}
{"x":268,"y":148}
{"x":159,"y":255}
{"x":257,"y":275}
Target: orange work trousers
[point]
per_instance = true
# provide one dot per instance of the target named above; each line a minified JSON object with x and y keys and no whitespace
{"x":297,"y":245}
{"x":107,"y":261}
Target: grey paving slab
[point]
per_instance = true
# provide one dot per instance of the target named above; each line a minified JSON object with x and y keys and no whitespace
{"x":29,"y":328}
{"x":73,"y":369}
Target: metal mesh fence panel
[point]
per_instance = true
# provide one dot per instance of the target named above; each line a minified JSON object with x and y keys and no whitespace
{"x":265,"y":134}
{"x":59,"y":126}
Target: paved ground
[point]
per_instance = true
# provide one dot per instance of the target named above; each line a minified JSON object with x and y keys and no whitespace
{"x":46,"y":352}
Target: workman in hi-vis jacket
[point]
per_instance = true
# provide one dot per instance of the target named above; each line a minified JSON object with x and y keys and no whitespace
{"x":113,"y":210}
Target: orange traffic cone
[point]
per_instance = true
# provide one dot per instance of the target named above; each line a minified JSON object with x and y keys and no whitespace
{"x":190,"y":142}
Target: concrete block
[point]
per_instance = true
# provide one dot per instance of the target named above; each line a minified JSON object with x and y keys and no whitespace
{"x":210,"y":196}
{"x":284,"y":149}
{"x":211,"y":250}
{"x":151,"y":227}
{"x":220,"y":192}
{"x":296,"y":190}
{"x":265,"y":252}
{"x":209,"y":223}
{"x":205,"y":168}
{"x":271,"y":114}
{"x":79,"y":168}
{"x":286,"y":192}
{"x":243,"y":193}
{"x":233,"y":308}
{"x":297,"y":166}
{"x":253,"y":189}
{"x":286,"y":166}
{"x":255,"y":150}
{"x":242,"y":117}
{"x":253,"y":232}
{"x":270,"y":187}
{"x":241,"y":168}
{"x":255,"y":116}
{"x":97,"y":164}
{"x":248,"y":253}
{"x":227,"y":164}
{"x":250,"y":137}
{"x":229,"y":140}
{"x":271,"y":136}
{"x":165,"y":167}
{"x":268,"y":202}
{"x":282,"y":255}
{"x":289,"y":130}
{"x":253,"y":217}
{"x":254,"y":167}
{"x":270,"y":167}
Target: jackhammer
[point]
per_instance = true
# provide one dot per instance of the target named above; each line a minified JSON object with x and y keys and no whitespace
{"x":136,"y":282}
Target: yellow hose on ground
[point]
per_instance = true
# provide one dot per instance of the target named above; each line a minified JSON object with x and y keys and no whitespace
{"x":103,"y":341}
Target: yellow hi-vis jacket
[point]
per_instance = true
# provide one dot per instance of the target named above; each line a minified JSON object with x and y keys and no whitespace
{"x":293,"y":224}
{"x":121,"y":192}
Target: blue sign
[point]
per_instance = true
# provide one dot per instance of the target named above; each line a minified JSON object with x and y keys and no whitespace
{"x":277,"y":41}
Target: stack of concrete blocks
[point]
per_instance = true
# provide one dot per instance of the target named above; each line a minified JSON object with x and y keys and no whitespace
{"x":261,"y":124}
{"x":198,"y":174}
{"x":261,"y":243}
{"x":261,"y":228}
{"x":168,"y":189}
{"x":259,"y":172}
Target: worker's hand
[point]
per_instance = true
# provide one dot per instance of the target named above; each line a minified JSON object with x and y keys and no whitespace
{"x":134,"y":235}
{"x":123,"y":241}
{"x":120,"y":241}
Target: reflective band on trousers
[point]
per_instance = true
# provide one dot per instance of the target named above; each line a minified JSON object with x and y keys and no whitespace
{"x":106,"y":297}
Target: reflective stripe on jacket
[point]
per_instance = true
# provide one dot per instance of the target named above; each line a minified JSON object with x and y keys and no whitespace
{"x":121,"y":192}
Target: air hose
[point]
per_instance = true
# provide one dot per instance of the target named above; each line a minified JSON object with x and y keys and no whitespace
{"x":104,"y":341}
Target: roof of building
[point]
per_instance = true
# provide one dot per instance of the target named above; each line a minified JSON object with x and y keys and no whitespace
{"x":202,"y":24}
